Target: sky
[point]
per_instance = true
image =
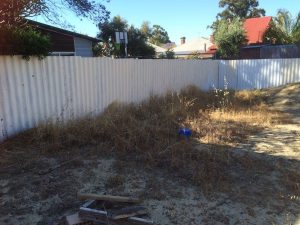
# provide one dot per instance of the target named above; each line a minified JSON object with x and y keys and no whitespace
{"x":188,"y":18}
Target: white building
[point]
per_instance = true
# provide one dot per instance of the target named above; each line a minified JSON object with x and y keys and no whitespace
{"x":199,"y":46}
{"x":159,"y":50}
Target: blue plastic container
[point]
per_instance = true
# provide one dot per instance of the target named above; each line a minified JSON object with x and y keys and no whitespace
{"x":185,"y":132}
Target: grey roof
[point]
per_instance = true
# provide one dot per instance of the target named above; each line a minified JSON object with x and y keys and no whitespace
{"x":60,"y":30}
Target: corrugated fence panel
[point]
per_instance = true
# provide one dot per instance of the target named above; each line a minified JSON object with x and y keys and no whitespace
{"x":258,"y":73}
{"x":58,"y":89}
{"x":228,"y":74}
{"x":3,"y":96}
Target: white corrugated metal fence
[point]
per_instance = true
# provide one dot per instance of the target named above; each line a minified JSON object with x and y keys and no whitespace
{"x":259,"y":73}
{"x":64,"y":88}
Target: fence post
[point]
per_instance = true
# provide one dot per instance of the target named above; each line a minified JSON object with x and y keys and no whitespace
{"x":237,"y":74}
{"x":219,"y":61}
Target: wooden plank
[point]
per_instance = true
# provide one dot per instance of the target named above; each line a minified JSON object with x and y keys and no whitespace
{"x":88,"y":204}
{"x":141,"y":220}
{"x":127,"y":212}
{"x":76,"y":220}
{"x":109,"y":198}
{"x":102,"y":217}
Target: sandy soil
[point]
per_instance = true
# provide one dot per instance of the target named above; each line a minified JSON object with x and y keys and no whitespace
{"x":282,"y":140}
{"x":32,"y":194}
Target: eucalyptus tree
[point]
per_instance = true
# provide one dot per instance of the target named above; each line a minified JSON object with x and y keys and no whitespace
{"x":13,"y":12}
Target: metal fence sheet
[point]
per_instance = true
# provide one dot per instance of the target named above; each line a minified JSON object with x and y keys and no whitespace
{"x":58,"y":89}
{"x":62,"y":88}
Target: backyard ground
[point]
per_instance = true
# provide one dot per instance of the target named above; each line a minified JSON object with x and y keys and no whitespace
{"x":241,"y":165}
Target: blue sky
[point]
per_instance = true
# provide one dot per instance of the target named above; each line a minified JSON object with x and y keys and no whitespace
{"x":188,"y":18}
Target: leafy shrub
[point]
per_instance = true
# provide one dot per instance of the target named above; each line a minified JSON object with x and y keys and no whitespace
{"x":229,"y":37}
{"x":169,"y":54}
{"x":29,"y":42}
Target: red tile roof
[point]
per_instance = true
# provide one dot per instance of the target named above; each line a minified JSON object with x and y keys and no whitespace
{"x":212,"y":47}
{"x":256,"y":28}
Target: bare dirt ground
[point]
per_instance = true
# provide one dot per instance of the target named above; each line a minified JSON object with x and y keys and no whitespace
{"x":33,"y":190}
{"x":282,"y":140}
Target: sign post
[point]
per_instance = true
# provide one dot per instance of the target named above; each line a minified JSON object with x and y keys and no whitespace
{"x":122,"y":38}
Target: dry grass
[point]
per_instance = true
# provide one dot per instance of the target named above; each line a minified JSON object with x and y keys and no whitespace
{"x":115,"y":181}
{"x":147,"y":134}
{"x":157,"y":120}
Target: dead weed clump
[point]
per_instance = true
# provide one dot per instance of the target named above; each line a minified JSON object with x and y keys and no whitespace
{"x":147,"y":133}
{"x":115,"y":181}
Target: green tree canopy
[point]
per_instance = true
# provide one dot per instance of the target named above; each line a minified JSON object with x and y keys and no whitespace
{"x":137,"y":44}
{"x":156,"y":34}
{"x":284,"y":29}
{"x":13,"y":12}
{"x":229,"y":37}
{"x":108,"y":28}
{"x":169,"y":54}
{"x":137,"y":40}
{"x":145,"y":29}
{"x":25,"y":41}
{"x":29,"y":42}
{"x":159,"y":36}
{"x":241,"y":9}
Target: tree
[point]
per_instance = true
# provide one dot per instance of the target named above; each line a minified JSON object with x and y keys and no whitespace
{"x":156,"y":35}
{"x":29,"y":42}
{"x":13,"y":12}
{"x":23,"y":39}
{"x":108,"y":28}
{"x":241,"y":9}
{"x":146,"y":30}
{"x":229,"y":37}
{"x":228,"y":31}
{"x":107,"y":34}
{"x":137,"y":44}
{"x":169,"y":54}
{"x":137,"y":41}
{"x":284,"y":29}
{"x":159,"y":36}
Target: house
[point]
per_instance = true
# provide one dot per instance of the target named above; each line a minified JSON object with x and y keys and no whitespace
{"x":169,"y":45}
{"x":64,"y":42}
{"x":199,"y":47}
{"x":158,"y":50}
{"x":269,"y":51}
{"x":256,"y":48}
{"x":255,"y":29}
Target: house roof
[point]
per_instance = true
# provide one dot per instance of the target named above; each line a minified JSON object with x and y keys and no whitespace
{"x":256,"y":28}
{"x":157,"y":48}
{"x":62,"y":31}
{"x":196,"y":45}
{"x":169,"y":45}
{"x":213,"y":47}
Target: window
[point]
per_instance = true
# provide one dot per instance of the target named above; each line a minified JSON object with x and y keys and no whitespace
{"x":62,"y":54}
